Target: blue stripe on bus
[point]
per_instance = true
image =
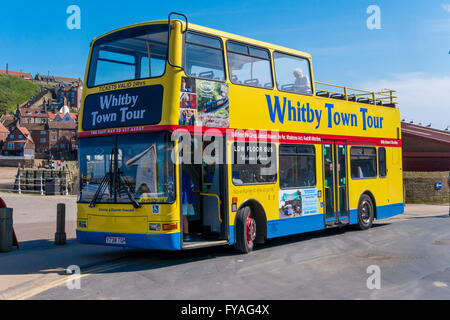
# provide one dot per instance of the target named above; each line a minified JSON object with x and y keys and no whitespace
{"x":171,"y":241}
{"x":290,"y":226}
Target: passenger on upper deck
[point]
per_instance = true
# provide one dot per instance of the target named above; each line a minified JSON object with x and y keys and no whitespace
{"x":301,"y":82}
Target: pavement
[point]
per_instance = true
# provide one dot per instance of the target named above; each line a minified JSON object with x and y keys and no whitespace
{"x":411,"y":252}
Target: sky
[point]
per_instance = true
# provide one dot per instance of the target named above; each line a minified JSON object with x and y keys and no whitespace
{"x":409,"y":52}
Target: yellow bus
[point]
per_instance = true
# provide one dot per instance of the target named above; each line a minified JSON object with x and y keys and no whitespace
{"x":192,"y":137}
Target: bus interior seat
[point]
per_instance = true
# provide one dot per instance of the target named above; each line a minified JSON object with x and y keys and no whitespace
{"x":363,"y":100}
{"x":268,"y":85}
{"x":252,"y":82}
{"x":351,"y":98}
{"x":337,"y":96}
{"x":206,"y":74}
{"x":288,"y":87}
{"x":234,"y":79}
{"x":322,"y":94}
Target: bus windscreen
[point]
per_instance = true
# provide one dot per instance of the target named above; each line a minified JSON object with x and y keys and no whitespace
{"x":130,"y":54}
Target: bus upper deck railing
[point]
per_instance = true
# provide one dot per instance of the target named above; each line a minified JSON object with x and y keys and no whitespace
{"x":385,"y":97}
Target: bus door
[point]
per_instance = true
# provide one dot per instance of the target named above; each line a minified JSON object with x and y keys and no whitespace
{"x":213,"y":191}
{"x":209,"y":222}
{"x":335,"y":182}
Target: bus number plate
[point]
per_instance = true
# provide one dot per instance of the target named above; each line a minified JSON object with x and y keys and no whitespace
{"x":115,"y":240}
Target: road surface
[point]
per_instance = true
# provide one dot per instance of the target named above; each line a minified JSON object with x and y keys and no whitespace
{"x":412,"y":253}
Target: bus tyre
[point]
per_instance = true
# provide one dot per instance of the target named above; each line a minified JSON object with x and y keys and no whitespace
{"x":365,"y":212}
{"x":245,"y":230}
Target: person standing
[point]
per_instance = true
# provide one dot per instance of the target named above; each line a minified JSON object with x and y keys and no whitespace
{"x":187,"y":205}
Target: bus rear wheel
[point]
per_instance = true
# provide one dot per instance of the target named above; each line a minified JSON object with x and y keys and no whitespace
{"x":245,"y":230}
{"x":366,"y":212}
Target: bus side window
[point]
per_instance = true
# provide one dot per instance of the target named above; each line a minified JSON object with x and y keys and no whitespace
{"x":293,"y":74}
{"x":363,"y":162}
{"x":382,"y":162}
{"x":204,"y":56}
{"x":297,"y":166}
{"x":249,"y":65}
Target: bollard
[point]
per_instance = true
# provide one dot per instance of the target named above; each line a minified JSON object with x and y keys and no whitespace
{"x":60,"y":235}
{"x":6,"y":229}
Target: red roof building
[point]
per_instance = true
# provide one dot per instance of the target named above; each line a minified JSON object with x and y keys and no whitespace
{"x":23,"y":75}
{"x":425,"y":149}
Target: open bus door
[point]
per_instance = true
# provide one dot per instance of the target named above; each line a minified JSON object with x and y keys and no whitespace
{"x":208,"y":226}
{"x":335,"y":170}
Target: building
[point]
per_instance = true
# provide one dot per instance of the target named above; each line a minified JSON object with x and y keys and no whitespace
{"x":69,"y":94}
{"x":39,"y":134}
{"x":33,"y":116}
{"x":426,"y":163}
{"x":4,"y":133}
{"x":19,"y":143}
{"x":425,"y":148}
{"x":23,"y":75}
{"x":62,"y":137}
{"x":56,"y":80}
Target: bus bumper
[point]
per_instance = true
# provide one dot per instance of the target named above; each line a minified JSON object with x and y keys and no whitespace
{"x":171,"y":241}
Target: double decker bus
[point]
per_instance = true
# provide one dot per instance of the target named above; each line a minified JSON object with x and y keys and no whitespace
{"x":267,"y":151}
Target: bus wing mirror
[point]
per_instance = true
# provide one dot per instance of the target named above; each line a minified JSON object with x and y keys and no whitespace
{"x":168,"y":36}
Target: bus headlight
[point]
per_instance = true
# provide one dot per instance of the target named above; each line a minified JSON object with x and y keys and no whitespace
{"x":82,"y":224}
{"x":155,"y":227}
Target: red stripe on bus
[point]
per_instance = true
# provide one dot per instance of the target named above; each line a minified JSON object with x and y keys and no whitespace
{"x":252,"y":135}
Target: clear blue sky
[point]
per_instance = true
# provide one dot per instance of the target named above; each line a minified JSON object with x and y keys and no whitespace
{"x":410,"y":51}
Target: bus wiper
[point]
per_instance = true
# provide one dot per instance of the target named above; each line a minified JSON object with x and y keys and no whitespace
{"x":124,"y":185}
{"x":106,"y":181}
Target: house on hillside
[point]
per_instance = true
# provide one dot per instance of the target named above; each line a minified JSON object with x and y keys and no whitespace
{"x":19,"y":143}
{"x":4,"y":133}
{"x":62,"y":136}
{"x":39,"y":134}
{"x":23,"y":75}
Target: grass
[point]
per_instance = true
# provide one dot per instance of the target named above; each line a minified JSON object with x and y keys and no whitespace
{"x":14,"y":91}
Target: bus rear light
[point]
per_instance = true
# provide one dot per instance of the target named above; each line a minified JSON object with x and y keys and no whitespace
{"x":170,"y":226}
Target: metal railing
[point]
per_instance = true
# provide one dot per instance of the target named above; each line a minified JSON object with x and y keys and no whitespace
{"x":385,"y":97}
{"x":39,"y":185}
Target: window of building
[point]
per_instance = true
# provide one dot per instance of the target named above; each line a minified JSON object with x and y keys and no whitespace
{"x":20,"y":136}
{"x":249,"y":66}
{"x":11,"y":136}
{"x":382,"y":162}
{"x":10,"y":145}
{"x":43,"y":140}
{"x":293,"y":74}
{"x":53,"y":138}
{"x":204,"y":57}
{"x":363,"y":162}
{"x":297,"y":166}
{"x":43,"y":133}
{"x":254,"y":163}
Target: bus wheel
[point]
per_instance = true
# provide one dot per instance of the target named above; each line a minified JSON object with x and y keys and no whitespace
{"x":365,"y":212}
{"x":245,"y":230}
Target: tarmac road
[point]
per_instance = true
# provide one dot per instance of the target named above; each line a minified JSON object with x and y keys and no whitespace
{"x":412,"y":252}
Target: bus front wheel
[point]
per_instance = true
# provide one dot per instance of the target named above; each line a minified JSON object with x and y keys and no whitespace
{"x":245,"y":230}
{"x":366,"y":212}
